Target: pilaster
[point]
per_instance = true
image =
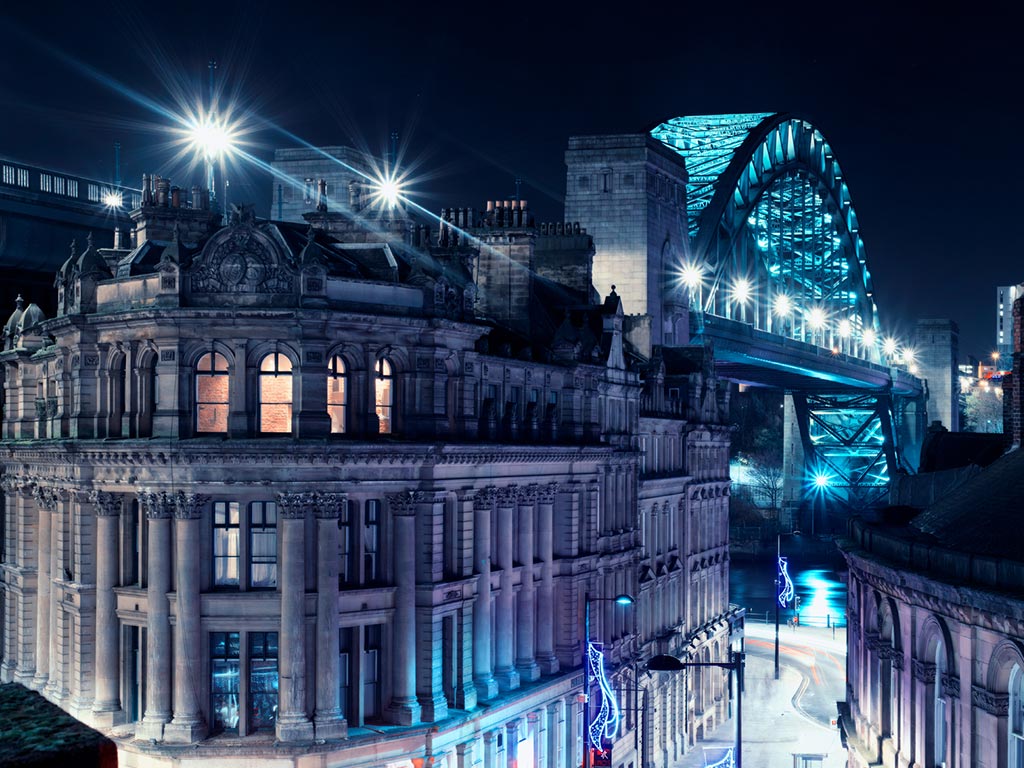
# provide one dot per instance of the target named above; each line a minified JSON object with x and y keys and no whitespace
{"x":106,"y":706}
{"x":328,"y":720}
{"x":158,"y":508}
{"x":404,"y":708}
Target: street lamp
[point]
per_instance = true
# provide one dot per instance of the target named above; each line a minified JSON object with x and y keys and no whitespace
{"x":783,"y":592}
{"x":593,"y":659}
{"x":663,"y":663}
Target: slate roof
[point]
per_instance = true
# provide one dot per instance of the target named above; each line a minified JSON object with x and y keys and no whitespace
{"x":985,"y":515}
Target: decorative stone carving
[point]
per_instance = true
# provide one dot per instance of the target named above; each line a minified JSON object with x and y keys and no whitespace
{"x":189,"y":506}
{"x":430,"y":497}
{"x":293,"y":506}
{"x":951,"y":686}
{"x":46,"y":497}
{"x":922,"y":671}
{"x":157,"y":505}
{"x":106,"y":504}
{"x":328,"y":506}
{"x":997,"y":704}
{"x":528,"y":494}
{"x":402,"y":504}
{"x":507,"y":495}
{"x":484,"y":498}
{"x":240,"y":260}
{"x":547,"y":493}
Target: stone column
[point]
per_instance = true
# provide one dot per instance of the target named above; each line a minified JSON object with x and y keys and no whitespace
{"x":464,"y":755}
{"x":512,"y":744}
{"x":293,"y":723}
{"x":328,"y":720}
{"x":46,"y":503}
{"x":490,"y":749}
{"x":526,"y":664}
{"x":158,"y":508}
{"x":483,"y":672}
{"x":60,"y":666}
{"x":572,"y":756}
{"x":188,"y":725}
{"x":546,"y":594}
{"x":11,"y":489}
{"x":107,"y":702}
{"x":404,"y":708}
{"x":504,"y":671}
{"x":552,"y":712}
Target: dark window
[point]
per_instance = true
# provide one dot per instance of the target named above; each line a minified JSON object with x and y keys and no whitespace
{"x":371,"y":541}
{"x":263,"y":545}
{"x":224,"y":673}
{"x":262,"y":680}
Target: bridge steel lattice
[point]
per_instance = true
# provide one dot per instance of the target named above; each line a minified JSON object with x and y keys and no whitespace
{"x":778,"y":283}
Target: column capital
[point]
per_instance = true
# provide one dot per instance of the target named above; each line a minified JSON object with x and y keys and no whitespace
{"x":293,"y":506}
{"x":46,"y":496}
{"x":507,"y":495}
{"x":189,"y":506}
{"x":328,"y":506}
{"x":402,"y":504}
{"x":106,"y":504}
{"x":157,"y":505}
{"x":483,"y":499}
{"x":430,"y":497}
{"x":528,"y":494}
{"x":547,"y":493}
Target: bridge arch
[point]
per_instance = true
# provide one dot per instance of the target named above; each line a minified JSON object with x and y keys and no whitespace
{"x":774,"y":234}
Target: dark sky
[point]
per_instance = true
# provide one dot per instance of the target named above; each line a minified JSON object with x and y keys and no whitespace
{"x":921,"y":106}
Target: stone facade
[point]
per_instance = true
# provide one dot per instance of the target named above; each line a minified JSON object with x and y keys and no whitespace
{"x":935,"y":668}
{"x":937,"y":348}
{"x":282,"y":492}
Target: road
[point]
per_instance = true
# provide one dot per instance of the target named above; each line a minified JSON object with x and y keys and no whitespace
{"x":821,"y":664}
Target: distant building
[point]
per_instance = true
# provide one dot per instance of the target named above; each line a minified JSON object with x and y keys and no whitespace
{"x":343,"y":171}
{"x":337,"y":492}
{"x":936,"y":345}
{"x":1006,"y":295}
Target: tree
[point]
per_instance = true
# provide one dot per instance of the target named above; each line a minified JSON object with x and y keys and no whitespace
{"x":767,"y":479}
{"x":984,"y":410}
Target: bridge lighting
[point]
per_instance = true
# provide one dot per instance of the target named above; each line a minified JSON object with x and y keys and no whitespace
{"x":889,"y":346}
{"x":692,"y":275}
{"x":820,"y":480}
{"x":869,"y":338}
{"x":783,"y":305}
{"x":816,"y":318}
{"x":112,"y":199}
{"x":909,"y":356}
{"x":913,"y":369}
{"x":742,"y":290}
{"x":845,"y":329}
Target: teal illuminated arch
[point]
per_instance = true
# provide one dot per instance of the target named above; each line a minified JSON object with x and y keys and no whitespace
{"x":768,"y":206}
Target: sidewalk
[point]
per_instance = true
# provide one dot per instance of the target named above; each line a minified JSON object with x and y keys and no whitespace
{"x":772,"y":730}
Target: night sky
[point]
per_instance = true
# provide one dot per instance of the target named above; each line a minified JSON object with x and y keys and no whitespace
{"x":922,"y":107}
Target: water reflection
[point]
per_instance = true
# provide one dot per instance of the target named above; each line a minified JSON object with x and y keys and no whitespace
{"x":821,"y":589}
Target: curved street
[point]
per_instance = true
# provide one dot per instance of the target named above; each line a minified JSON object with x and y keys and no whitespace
{"x":789,"y":721}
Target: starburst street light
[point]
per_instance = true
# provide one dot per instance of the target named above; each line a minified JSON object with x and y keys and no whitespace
{"x":211,"y":137}
{"x":845,"y":328}
{"x":869,"y":338}
{"x":692,"y":275}
{"x":386,"y":190}
{"x":889,"y":346}
{"x":783,"y":305}
{"x":741,"y":290}
{"x":112,"y":199}
{"x":816,"y":318}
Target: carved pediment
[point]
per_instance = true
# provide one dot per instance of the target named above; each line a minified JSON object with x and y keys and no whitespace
{"x":241,"y":260}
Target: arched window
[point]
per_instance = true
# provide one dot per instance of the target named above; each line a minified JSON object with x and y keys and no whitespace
{"x":1015,"y":751}
{"x":939,"y":743}
{"x":212,"y":390}
{"x":337,"y":392}
{"x":275,"y":394}
{"x":385,"y":395}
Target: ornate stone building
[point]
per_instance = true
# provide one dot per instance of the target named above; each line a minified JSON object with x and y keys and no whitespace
{"x":935,"y":670}
{"x":340,"y":491}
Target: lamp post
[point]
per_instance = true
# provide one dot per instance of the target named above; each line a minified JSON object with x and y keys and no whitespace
{"x":664,"y":663}
{"x":587,"y":599}
{"x":783,"y":592}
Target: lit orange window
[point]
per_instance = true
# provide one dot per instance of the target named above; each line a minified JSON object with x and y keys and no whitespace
{"x":276,"y":394}
{"x":212,"y":391}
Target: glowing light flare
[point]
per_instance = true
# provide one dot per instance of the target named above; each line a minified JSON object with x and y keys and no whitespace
{"x":821,"y":480}
{"x":845,"y":329}
{"x":909,"y":356}
{"x":742,"y":290}
{"x":211,"y":137}
{"x":786,"y":589}
{"x":782,"y":306}
{"x":691,"y":275}
{"x":890,"y":345}
{"x":816,"y":318}
{"x":869,"y":338}
{"x":605,"y":723}
{"x":112,"y":199}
